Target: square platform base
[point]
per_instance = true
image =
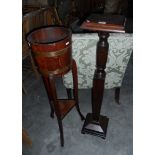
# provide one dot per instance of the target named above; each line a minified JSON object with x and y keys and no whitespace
{"x":96,"y":128}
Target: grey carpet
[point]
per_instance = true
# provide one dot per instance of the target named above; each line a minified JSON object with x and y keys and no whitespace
{"x":44,"y":132}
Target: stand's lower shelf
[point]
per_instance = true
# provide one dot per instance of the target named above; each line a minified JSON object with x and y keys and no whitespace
{"x":65,"y":106}
{"x":96,"y":128}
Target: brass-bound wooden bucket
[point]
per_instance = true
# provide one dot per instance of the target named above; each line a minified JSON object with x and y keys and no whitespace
{"x":51,"y":47}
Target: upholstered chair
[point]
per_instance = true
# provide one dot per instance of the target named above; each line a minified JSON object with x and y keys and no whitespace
{"x":84,"y":53}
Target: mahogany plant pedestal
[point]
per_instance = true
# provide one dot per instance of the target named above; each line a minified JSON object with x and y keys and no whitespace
{"x":52,"y":50}
{"x":96,"y":124}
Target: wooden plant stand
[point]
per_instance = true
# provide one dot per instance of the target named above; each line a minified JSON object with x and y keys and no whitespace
{"x":51,"y":47}
{"x":96,"y":124}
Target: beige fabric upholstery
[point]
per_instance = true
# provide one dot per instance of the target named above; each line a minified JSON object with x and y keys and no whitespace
{"x":84,"y":53}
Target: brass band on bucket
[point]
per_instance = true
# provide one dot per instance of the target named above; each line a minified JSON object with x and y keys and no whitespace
{"x":57,"y":71}
{"x":51,"y":53}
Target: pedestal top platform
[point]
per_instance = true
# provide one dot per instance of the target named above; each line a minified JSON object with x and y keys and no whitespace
{"x":105,"y":22}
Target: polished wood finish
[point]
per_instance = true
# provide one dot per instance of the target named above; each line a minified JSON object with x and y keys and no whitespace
{"x":105,"y":23}
{"x":99,"y":76}
{"x":95,"y":124}
{"x":52,"y":56}
{"x":47,"y":86}
{"x":51,"y":47}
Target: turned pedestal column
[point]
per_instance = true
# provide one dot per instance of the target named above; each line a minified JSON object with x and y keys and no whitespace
{"x":96,"y":124}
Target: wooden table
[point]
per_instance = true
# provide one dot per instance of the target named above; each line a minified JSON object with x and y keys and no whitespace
{"x":96,"y":124}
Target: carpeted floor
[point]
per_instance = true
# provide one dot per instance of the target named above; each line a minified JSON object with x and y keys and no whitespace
{"x":44,"y":132}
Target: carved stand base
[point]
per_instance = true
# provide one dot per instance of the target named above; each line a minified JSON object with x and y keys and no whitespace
{"x":96,"y":128}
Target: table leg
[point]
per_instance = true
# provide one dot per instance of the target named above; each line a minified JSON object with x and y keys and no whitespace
{"x":96,"y":124}
{"x":46,"y":83}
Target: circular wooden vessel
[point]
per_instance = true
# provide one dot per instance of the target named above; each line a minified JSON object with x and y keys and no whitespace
{"x":51,"y":47}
